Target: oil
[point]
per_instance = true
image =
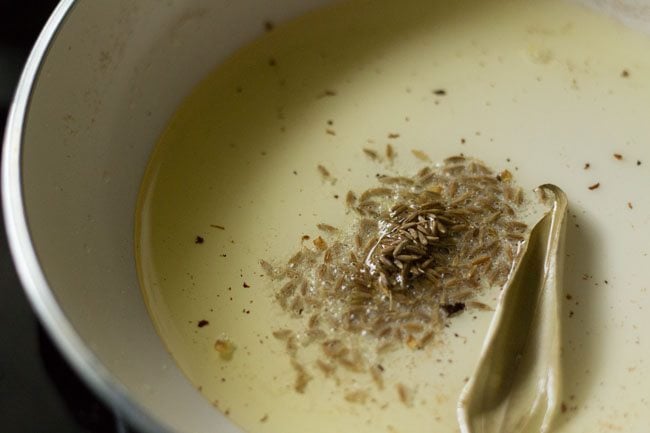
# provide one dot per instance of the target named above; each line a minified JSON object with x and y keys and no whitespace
{"x":492,"y":79}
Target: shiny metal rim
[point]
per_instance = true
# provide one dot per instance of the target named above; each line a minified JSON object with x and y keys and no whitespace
{"x":26,"y":261}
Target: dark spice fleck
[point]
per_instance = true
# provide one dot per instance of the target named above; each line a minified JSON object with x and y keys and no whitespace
{"x":629,"y":204}
{"x":203,"y":323}
{"x":330,"y":122}
{"x":393,"y":135}
{"x":463,"y":141}
{"x":371,"y":154}
{"x":269,"y":26}
{"x":216,"y":226}
{"x":587,"y":165}
{"x":638,"y":162}
{"x":199,"y":240}
{"x":625,"y":73}
{"x":327,"y":93}
{"x":454,"y":308}
{"x":594,"y":186}
{"x":564,"y":408}
{"x":618,"y":156}
{"x":295,"y":172}
{"x":272,"y":62}
{"x":246,"y":285}
{"x":440,"y":92}
{"x":569,"y":297}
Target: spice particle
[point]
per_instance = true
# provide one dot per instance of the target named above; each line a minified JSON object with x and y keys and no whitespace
{"x":420,"y":155}
{"x":225,"y":349}
{"x":452,"y":309}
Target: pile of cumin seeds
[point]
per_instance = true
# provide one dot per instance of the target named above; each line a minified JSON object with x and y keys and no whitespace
{"x":421,"y":249}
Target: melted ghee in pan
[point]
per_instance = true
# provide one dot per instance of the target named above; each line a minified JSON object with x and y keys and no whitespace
{"x":536,"y":87}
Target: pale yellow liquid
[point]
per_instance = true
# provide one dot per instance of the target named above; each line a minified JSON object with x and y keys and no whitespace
{"x":532,"y":86}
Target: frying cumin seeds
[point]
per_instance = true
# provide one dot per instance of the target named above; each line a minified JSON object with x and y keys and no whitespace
{"x":420,"y":249}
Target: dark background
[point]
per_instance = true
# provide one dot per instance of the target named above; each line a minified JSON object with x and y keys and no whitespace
{"x":38,"y":390}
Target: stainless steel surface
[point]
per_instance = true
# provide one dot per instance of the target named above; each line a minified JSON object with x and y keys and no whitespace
{"x":32,"y":278}
{"x":100,"y":84}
